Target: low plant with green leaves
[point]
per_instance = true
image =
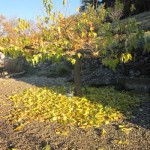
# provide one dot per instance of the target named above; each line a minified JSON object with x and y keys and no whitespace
{"x":98,"y":106}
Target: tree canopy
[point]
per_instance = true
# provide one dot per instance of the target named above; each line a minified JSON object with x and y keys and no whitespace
{"x":58,"y":36}
{"x":140,"y":5}
{"x":93,"y":3}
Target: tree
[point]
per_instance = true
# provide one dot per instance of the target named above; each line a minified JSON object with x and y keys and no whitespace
{"x":108,"y":3}
{"x":116,"y":12}
{"x":75,"y":34}
{"x":81,"y":34}
{"x":140,"y":5}
{"x":7,"y":28}
{"x":58,"y":36}
{"x":93,"y":3}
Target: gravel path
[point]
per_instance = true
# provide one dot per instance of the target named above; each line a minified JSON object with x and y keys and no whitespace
{"x":35,"y":136}
{"x":10,"y":85}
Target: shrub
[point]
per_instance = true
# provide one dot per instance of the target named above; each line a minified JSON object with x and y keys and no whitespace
{"x":60,"y":69}
{"x":116,"y":12}
{"x":14,"y":66}
{"x":63,"y":69}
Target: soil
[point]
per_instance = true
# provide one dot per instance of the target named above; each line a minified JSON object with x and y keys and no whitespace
{"x":36,"y":135}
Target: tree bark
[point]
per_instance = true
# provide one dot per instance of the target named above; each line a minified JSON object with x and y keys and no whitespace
{"x":77,"y":77}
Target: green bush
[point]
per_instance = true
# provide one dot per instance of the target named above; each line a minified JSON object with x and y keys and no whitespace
{"x":14,"y":66}
{"x":60,"y":70}
{"x":63,"y":70}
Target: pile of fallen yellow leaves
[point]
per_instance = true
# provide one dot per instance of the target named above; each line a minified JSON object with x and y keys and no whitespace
{"x":97,"y":106}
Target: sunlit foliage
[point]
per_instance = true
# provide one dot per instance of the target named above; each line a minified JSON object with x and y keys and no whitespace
{"x":59,"y":36}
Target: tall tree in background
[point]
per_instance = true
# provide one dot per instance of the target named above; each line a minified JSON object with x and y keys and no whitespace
{"x":140,"y":5}
{"x":108,"y":3}
{"x":85,"y":3}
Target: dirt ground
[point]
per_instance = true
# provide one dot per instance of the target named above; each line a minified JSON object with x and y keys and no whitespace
{"x":35,"y":135}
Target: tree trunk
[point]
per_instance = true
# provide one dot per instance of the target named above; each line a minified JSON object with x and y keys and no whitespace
{"x":77,"y":77}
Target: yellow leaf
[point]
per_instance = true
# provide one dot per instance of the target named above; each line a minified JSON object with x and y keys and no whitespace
{"x":121,"y":126}
{"x":1,"y":48}
{"x":126,"y":142}
{"x":59,"y":30}
{"x":126,"y":130}
{"x":84,"y":14}
{"x":54,"y":118}
{"x":73,"y":61}
{"x":95,"y":34}
{"x":96,"y":46}
{"x":83,"y":34}
{"x":103,"y":131}
{"x":91,"y":28}
{"x":18,"y":128}
{"x":64,"y":2}
{"x":58,"y":132}
{"x":126,"y":57}
{"x":65,"y":118}
{"x":65,"y":133}
{"x":47,"y":147}
{"x":79,"y":55}
{"x":106,"y":122}
{"x":77,"y":9}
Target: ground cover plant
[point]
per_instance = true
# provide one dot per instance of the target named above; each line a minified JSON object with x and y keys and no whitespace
{"x":98,"y":106}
